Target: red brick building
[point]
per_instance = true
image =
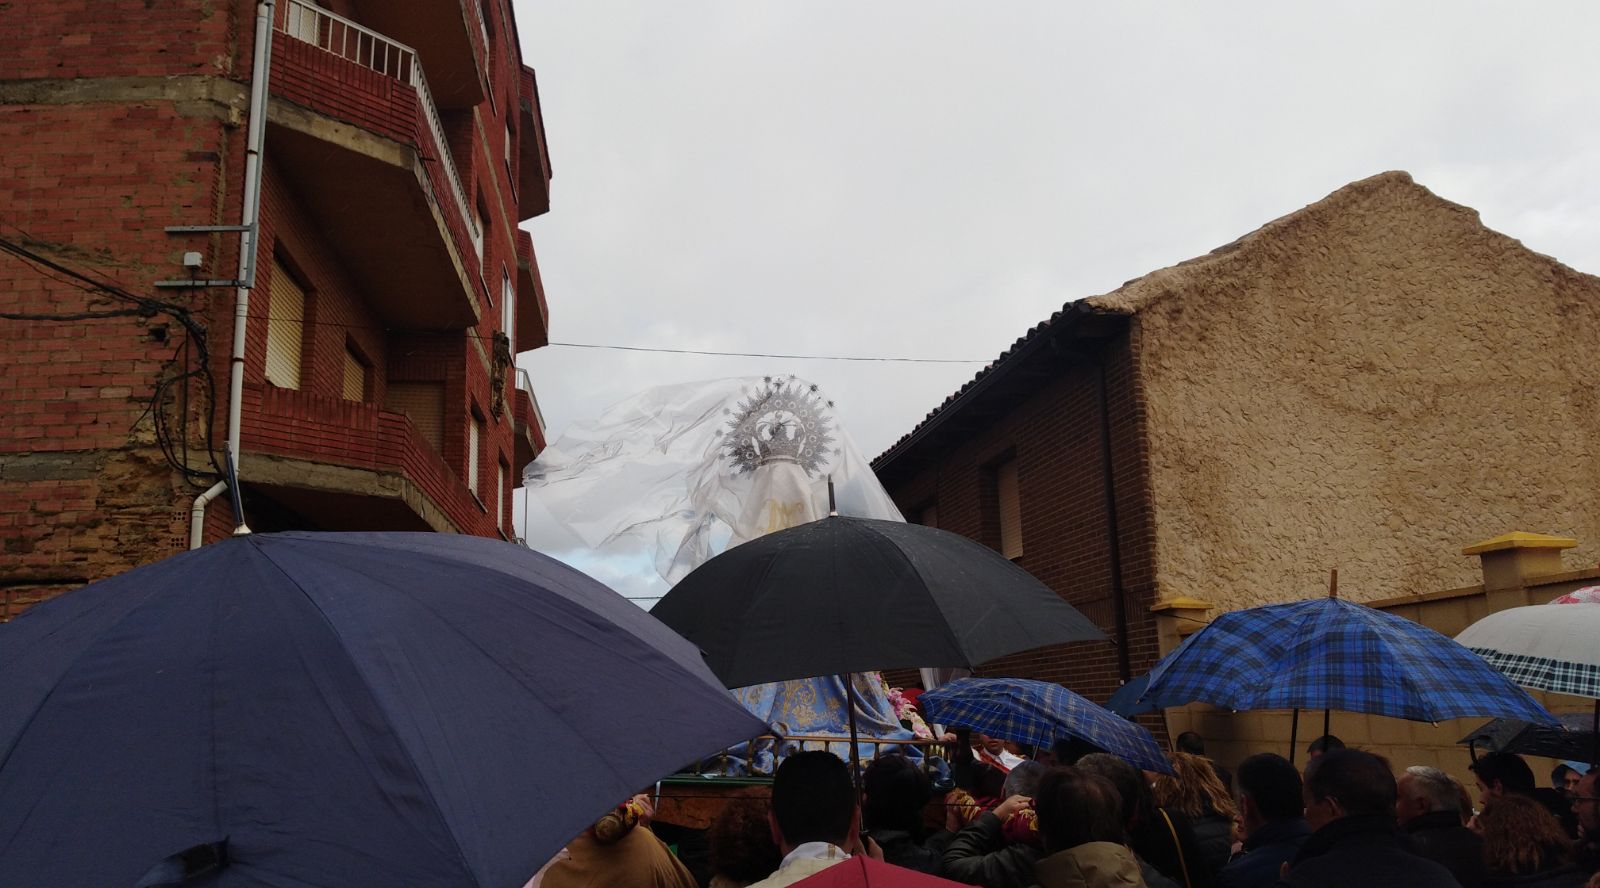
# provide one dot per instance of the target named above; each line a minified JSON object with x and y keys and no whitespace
{"x":392,"y":285}
{"x":1039,"y":458}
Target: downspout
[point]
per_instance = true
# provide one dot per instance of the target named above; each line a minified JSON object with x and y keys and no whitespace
{"x":250,"y":219}
{"x":1119,"y":595}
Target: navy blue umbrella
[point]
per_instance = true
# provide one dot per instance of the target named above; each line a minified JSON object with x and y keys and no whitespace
{"x":1332,"y":654}
{"x":336,"y":709}
{"x":1038,"y":713}
{"x":1126,"y":703}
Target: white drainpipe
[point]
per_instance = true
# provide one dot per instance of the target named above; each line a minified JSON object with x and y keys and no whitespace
{"x":250,"y":218}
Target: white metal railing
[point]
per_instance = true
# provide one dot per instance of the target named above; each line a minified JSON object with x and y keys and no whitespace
{"x":348,"y":40}
{"x":483,"y":26}
{"x":525,"y":383}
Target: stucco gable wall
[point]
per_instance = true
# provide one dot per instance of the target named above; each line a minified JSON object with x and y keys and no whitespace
{"x":1370,"y":383}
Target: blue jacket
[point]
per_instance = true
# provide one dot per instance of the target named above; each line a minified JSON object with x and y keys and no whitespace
{"x":1265,"y":852}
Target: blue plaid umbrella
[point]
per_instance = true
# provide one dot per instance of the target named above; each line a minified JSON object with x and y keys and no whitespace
{"x":1039,"y":713}
{"x":1332,"y":654}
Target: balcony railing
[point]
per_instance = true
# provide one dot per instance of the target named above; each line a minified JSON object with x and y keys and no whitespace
{"x":344,"y":38}
{"x":525,"y":383}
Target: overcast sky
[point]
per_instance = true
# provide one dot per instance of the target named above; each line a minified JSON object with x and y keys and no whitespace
{"x":929,"y":179}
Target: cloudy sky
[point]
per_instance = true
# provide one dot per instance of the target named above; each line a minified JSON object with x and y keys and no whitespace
{"x":929,"y":179}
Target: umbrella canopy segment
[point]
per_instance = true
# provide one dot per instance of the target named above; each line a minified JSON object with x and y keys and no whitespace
{"x":1332,"y":654}
{"x":1039,"y":713}
{"x":845,"y":595}
{"x":1126,"y":703}
{"x":341,"y":709}
{"x":862,"y":871}
{"x":1553,"y":647}
{"x":1573,"y":739}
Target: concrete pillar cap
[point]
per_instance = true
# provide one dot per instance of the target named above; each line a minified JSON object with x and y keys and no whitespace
{"x":1519,"y":539}
{"x":1184,"y":602}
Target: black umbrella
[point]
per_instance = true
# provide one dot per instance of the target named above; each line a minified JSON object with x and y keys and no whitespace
{"x":1573,"y":740}
{"x":844,"y":595}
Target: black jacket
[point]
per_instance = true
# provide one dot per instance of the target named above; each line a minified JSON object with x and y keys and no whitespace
{"x":1264,"y":854}
{"x":1153,"y":842}
{"x":902,"y":849}
{"x":1366,"y":851}
{"x":979,"y":855}
{"x":1440,"y":837}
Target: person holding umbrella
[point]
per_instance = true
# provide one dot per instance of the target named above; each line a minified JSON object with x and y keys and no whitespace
{"x":815,"y":819}
{"x":1079,"y":817}
{"x":1350,"y":804}
{"x":1586,"y":804}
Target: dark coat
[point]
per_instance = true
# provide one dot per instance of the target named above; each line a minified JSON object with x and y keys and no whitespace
{"x":1213,"y":839}
{"x":1153,"y":842}
{"x":1264,"y":854}
{"x":1365,"y":851}
{"x":902,"y":849}
{"x":1440,"y":837}
{"x":979,"y":855}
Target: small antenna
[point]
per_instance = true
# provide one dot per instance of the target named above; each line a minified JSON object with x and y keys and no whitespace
{"x":833,"y":508}
{"x":1333,"y":584}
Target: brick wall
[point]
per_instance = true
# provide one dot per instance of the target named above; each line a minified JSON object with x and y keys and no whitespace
{"x":1055,"y":437}
{"x":121,"y":118}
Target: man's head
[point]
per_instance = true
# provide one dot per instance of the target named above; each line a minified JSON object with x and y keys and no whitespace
{"x":1565,"y":778}
{"x":812,"y":801}
{"x":1499,"y":773}
{"x":1269,"y":790}
{"x":1191,"y":743}
{"x":1325,"y":743}
{"x":1075,"y":807}
{"x":1423,"y":790}
{"x":1586,"y":804}
{"x":1347,"y":783}
{"x":896,"y":792}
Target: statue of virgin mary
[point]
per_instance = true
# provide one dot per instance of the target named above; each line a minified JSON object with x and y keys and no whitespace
{"x":685,"y":471}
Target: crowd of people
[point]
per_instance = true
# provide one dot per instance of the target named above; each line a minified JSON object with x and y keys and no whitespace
{"x":1073,"y":817}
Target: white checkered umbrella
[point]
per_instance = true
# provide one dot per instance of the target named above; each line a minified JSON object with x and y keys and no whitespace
{"x":1552,"y":647}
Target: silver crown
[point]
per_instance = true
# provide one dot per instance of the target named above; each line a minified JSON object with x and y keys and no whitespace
{"x":782,"y":420}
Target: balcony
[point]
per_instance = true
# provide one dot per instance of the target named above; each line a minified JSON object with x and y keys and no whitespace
{"x":533,"y":313}
{"x":530,"y":426}
{"x":333,"y":464}
{"x":450,"y":35}
{"x":355,"y":132}
{"x":533,"y":154}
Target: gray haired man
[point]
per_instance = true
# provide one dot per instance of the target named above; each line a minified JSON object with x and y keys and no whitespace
{"x":1429,"y":811}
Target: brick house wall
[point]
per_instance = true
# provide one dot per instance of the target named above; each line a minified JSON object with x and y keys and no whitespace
{"x":117,"y":126}
{"x":1054,"y":434}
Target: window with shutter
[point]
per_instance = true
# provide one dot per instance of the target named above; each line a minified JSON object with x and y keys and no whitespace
{"x":1010,"y":509}
{"x":286,"y":313}
{"x":474,"y":440}
{"x":423,"y":403}
{"x":355,"y":377}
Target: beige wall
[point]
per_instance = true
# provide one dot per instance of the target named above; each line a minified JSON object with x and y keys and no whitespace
{"x":1366,"y":384}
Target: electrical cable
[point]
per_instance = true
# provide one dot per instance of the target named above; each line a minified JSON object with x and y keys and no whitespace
{"x":155,"y":407}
